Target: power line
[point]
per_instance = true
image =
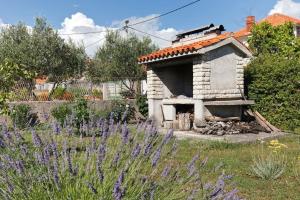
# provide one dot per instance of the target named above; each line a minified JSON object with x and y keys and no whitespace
{"x":96,"y":42}
{"x":164,"y":14}
{"x":82,"y":33}
{"x":155,"y":36}
{"x":140,"y":22}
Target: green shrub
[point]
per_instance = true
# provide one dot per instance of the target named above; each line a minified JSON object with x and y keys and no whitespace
{"x":122,"y":110}
{"x":61,"y":112}
{"x":78,"y":92}
{"x":22,"y":116}
{"x":274,"y":83}
{"x":97,"y":93}
{"x":81,"y":114}
{"x":58,"y":93}
{"x":142,"y":103}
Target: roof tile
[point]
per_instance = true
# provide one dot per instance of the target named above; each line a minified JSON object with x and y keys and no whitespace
{"x":184,"y":48}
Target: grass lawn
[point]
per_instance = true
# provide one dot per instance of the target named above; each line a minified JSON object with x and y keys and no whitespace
{"x":237,"y":159}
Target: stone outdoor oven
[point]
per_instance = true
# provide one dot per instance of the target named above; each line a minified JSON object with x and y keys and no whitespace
{"x":202,"y":73}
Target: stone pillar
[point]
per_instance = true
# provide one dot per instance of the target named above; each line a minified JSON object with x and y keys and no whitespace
{"x":199,"y":111}
{"x":201,"y":84}
{"x":105,"y":91}
{"x":154,"y":95}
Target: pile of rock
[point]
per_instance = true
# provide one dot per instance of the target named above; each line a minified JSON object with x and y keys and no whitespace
{"x":228,"y":128}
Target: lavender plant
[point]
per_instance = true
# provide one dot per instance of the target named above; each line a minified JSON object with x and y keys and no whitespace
{"x":117,"y":162}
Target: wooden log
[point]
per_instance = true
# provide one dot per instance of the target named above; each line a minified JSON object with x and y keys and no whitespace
{"x":184,"y":122}
{"x":262,"y":123}
{"x":273,"y":128}
{"x":221,"y":119}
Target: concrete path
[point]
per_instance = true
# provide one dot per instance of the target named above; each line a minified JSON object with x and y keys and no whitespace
{"x":238,"y":138}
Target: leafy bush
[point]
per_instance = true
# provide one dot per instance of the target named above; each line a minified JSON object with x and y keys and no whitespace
{"x":58,"y":93}
{"x":141,"y":102}
{"x":61,"y":112}
{"x":81,"y":115}
{"x":22,"y":116}
{"x":122,"y":110}
{"x":121,"y":164}
{"x":274,"y":83}
{"x":97,"y":93}
{"x":78,"y":92}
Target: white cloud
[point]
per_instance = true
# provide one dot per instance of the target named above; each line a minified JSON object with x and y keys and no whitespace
{"x":79,"y":23}
{"x":288,"y":7}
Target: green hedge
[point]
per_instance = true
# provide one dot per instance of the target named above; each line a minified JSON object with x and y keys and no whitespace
{"x":274,"y":83}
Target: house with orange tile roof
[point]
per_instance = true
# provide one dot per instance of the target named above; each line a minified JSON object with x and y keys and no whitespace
{"x":200,"y":73}
{"x":274,"y":19}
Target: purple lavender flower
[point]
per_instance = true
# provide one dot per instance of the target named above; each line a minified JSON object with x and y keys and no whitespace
{"x":37,"y":141}
{"x":101,"y":153}
{"x":19,"y":166}
{"x":7,"y":135}
{"x":99,"y":172}
{"x":148,"y":148}
{"x":152,"y":191}
{"x":192,"y":195}
{"x":54,"y":150}
{"x":218,"y":188}
{"x":166,"y":171}
{"x":46,"y":155}
{"x":18,"y":136}
{"x":87,"y":153}
{"x":168,"y":136}
{"x":55,"y":174}
{"x":125,"y":134}
{"x":10,"y":187}
{"x":232,"y":195}
{"x":94,"y":142}
{"x":69,"y":130}
{"x":118,"y":191}
{"x":91,"y":187}
{"x":56,"y":128}
{"x":191,"y":166}
{"x":156,"y":157}
{"x":2,"y":143}
{"x":116,"y":159}
{"x":69,"y":161}
{"x":100,"y":158}
{"x":136,"y":151}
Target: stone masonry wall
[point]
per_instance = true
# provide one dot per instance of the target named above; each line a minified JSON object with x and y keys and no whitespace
{"x":155,"y":85}
{"x":202,"y":81}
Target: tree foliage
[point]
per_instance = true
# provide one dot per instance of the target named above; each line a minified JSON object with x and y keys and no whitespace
{"x":41,"y":50}
{"x":268,"y":39}
{"x":273,"y":76}
{"x":116,"y":60}
{"x":10,"y":74}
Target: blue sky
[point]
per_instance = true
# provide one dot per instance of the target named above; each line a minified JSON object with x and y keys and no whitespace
{"x":89,"y":15}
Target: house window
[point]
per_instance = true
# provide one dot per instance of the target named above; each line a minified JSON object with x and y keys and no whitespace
{"x":298,"y":31}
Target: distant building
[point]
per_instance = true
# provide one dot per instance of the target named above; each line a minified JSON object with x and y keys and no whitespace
{"x":275,"y":20}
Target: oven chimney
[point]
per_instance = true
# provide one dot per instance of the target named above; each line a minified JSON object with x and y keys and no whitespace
{"x":250,"y":21}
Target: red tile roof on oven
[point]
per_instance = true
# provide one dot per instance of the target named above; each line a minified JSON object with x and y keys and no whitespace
{"x":275,"y":20}
{"x":188,"y":48}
